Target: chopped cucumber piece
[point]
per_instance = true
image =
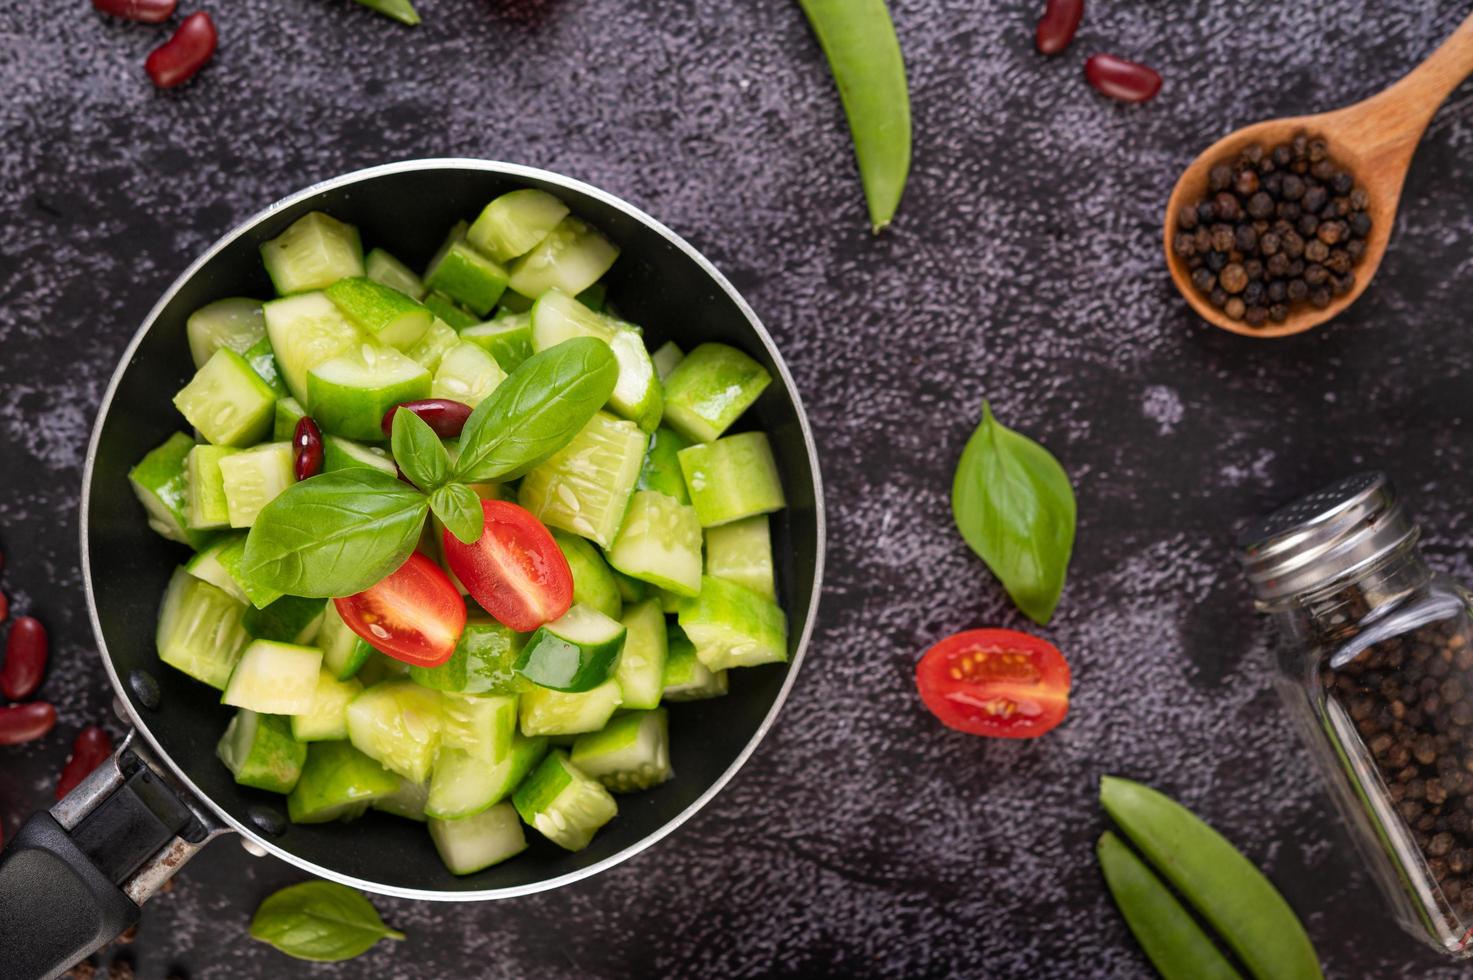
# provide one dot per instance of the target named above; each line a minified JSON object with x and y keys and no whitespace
{"x":290,"y":619}
{"x":513,"y":302}
{"x":481,"y":726}
{"x":576,"y":652}
{"x":386,"y":270}
{"x":466,"y":374}
{"x":595,"y":297}
{"x":343,"y":652}
{"x":508,"y":338}
{"x":669,"y":601}
{"x":732,"y":478}
{"x":686,"y":678}
{"x":631,"y":754}
{"x":235,"y":324}
{"x":484,"y":662}
{"x":463,"y":785}
{"x":593,"y":581}
{"x":572,"y":257}
{"x":349,"y":394}
{"x":558,"y":317}
{"x":315,"y":252}
{"x":206,"y":504}
{"x":641,"y":670}
{"x":327,"y":718}
{"x":161,"y":485}
{"x":710,"y":389}
{"x":407,"y":801}
{"x":515,"y":222}
{"x":262,"y":360}
{"x":227,"y":401}
{"x":547,"y":712}
{"x":255,"y":477}
{"x":660,"y":543}
{"x":381,"y":312}
{"x":305,"y":331}
{"x":379,"y":667}
{"x":199,"y":629}
{"x":585,"y":486}
{"x":631,"y":589}
{"x":661,"y":470}
{"x":741,"y":552}
{"x":446,"y":309}
{"x":666,"y":357}
{"x":274,"y":678}
{"x":398,"y":723}
{"x":434,"y":345}
{"x":474,"y":280}
{"x":338,"y":782}
{"x":732,"y":626}
{"x":474,"y":843}
{"x":259,"y":751}
{"x":230,"y":558}
{"x":208,"y":567}
{"x":289,"y":412}
{"x":343,"y":454}
{"x":563,"y":804}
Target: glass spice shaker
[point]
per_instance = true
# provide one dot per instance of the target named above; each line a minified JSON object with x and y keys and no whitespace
{"x":1375,"y":664}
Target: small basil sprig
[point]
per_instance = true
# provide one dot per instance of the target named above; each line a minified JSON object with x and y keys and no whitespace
{"x":1013,"y":504}
{"x":419,"y":452}
{"x":320,"y":920}
{"x":459,"y":508}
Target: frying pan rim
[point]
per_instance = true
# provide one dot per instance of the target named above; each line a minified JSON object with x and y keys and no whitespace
{"x":515,"y":171}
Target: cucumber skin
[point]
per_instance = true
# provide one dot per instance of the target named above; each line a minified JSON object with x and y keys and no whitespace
{"x":210,"y":658}
{"x":709,"y":390}
{"x":659,"y":542}
{"x":685,"y":677}
{"x":732,"y":478}
{"x":732,"y":626}
{"x":287,"y":620}
{"x":467,"y":277}
{"x":545,"y":489}
{"x":545,"y":789}
{"x":380,"y":311}
{"x":160,"y":475}
{"x":594,"y":584}
{"x":515,"y":223}
{"x":559,"y":664}
{"x":289,"y":412}
{"x":289,"y":281}
{"x":199,"y":399}
{"x":641,"y":669}
{"x":336,"y":775}
{"x":544,"y":712}
{"x":661,"y":470}
{"x":484,"y":662}
{"x":510,"y":343}
{"x":591,"y":753}
{"x":741,"y":552}
{"x":448,"y":310}
{"x":500,"y":823}
{"x":274,"y":760}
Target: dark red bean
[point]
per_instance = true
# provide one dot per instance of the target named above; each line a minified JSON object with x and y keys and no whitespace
{"x":1127,"y":81}
{"x":4,"y":607}
{"x":144,"y":11}
{"x":24,"y":722}
{"x":176,"y":60}
{"x":25,"y":658}
{"x":1057,"y":25}
{"x":307,"y":448}
{"x":446,"y":417}
{"x":90,"y":750}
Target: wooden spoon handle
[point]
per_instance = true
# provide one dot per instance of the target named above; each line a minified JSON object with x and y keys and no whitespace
{"x":1403,"y":111}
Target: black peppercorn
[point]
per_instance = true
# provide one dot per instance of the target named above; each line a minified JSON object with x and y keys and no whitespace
{"x":1277,"y":265}
{"x":1318,"y":150}
{"x":1273,"y":184}
{"x":1293,"y":245}
{"x":1320,"y":297}
{"x":1223,"y":238}
{"x":1186,"y":217}
{"x":1278,"y":291}
{"x":1254,"y":268}
{"x":1315,"y":198}
{"x":1307,"y":224}
{"x":1245,"y":239}
{"x":1315,"y":275}
{"x":1355,"y":248}
{"x":1293,"y":187}
{"x":1316,"y":250}
{"x":1204,"y":212}
{"x":1256,"y":316}
{"x":1296,"y":268}
{"x":1245,"y":183}
{"x":1219,"y":177}
{"x":1359,"y":199}
{"x":1322,"y":170}
{"x":1331,"y":232}
{"x":1218,"y":297}
{"x":1261,"y":205}
{"x":1204,"y":280}
{"x":1298,"y":290}
{"x":1360,"y":224}
{"x":1184,"y":246}
{"x":1288,"y":210}
{"x":1338,"y":262}
{"x":1278,"y":312}
{"x":1234,"y":308}
{"x":1342,"y":183}
{"x":1233,"y":278}
{"x":1216,"y":260}
{"x":1253,"y":293}
{"x":1345,"y":284}
{"x":1226,"y":207}
{"x":1283,"y":155}
{"x":1268,"y":243}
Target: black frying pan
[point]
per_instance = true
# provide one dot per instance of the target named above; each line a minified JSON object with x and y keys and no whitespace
{"x":74,"y":876}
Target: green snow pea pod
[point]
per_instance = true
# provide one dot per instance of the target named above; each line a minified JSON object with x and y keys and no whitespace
{"x":1230,"y":892}
{"x":859,"y":41}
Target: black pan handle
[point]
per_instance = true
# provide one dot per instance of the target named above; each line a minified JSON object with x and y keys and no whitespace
{"x":74,"y":876}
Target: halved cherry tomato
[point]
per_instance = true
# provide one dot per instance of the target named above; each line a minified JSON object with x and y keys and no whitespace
{"x":515,"y":570}
{"x":1000,"y":683}
{"x":415,"y":614}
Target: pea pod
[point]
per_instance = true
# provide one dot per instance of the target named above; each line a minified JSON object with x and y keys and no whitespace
{"x":1233,"y":895}
{"x":1173,"y":941}
{"x":859,"y":41}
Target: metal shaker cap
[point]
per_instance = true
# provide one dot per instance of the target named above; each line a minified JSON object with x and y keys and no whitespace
{"x":1317,"y":539}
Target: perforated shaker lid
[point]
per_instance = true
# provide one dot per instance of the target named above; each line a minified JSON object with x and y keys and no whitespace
{"x":1316,"y":539}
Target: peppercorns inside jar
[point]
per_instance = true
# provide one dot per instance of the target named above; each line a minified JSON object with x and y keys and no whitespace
{"x":1376,"y":666}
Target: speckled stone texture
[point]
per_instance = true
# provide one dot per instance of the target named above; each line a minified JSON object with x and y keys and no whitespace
{"x":1025,"y":267}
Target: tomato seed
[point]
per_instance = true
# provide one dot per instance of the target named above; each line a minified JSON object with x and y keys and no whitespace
{"x":1117,"y":78}
{"x":446,"y":417}
{"x":306,"y":448}
{"x":25,"y":658}
{"x":1057,"y":25}
{"x":143,"y":11}
{"x":176,"y":60}
{"x":25,"y":722}
{"x":90,"y":749}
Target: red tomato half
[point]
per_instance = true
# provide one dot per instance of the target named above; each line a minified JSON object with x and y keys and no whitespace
{"x":415,"y":615}
{"x":1000,"y":683}
{"x":515,"y":571}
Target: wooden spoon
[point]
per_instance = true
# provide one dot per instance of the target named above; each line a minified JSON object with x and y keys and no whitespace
{"x":1373,"y":139}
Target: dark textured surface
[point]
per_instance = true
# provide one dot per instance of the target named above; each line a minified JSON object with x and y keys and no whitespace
{"x":1024,"y":267}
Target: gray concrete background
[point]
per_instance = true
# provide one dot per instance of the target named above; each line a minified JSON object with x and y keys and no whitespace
{"x":862,"y":839}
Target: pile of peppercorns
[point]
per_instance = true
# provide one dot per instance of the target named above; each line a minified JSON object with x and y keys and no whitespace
{"x":1278,"y":228}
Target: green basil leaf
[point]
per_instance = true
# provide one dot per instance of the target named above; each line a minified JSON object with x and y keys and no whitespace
{"x":1013,"y":504}
{"x":537,"y":410}
{"x":320,"y":920}
{"x":334,"y":535}
{"x":419,"y":452}
{"x":459,"y":509}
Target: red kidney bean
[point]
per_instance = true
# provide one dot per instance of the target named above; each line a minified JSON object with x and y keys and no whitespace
{"x":90,"y":750}
{"x":306,"y":448}
{"x":176,"y":60}
{"x":4,"y":607}
{"x":1057,"y":25}
{"x":24,"y":722}
{"x":144,"y":11}
{"x":1127,"y":81}
{"x":25,"y":658}
{"x":446,"y":417}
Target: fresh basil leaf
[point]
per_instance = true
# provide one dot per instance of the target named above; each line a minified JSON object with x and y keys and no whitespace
{"x":1013,"y":504}
{"x":459,"y":509}
{"x":537,"y":410}
{"x":419,"y":452}
{"x":320,"y":920}
{"x":334,"y":535}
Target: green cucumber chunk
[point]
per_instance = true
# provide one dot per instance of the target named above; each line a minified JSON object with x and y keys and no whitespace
{"x":632,"y":753}
{"x":338,"y":782}
{"x":710,"y":389}
{"x":514,"y":302}
{"x":305,"y":331}
{"x":262,"y":360}
{"x":235,"y":323}
{"x":386,"y":270}
{"x":661,"y":470}
{"x":732,"y":478}
{"x":484,"y":661}
{"x":382,"y":312}
{"x":199,"y":630}
{"x":665,"y":357}
{"x":327,"y":718}
{"x":161,"y":485}
{"x":593,"y":581}
{"x":741,"y":552}
{"x":349,"y":394}
{"x":474,"y":280}
{"x":463,"y":785}
{"x":289,"y":412}
{"x":434,"y":345}
{"x":274,"y":678}
{"x":466,"y":374}
{"x":399,"y":724}
{"x":290,"y":619}
{"x":446,"y":309}
{"x":544,"y":711}
{"x":732,"y":626}
{"x":343,"y":652}
{"x":641,"y":669}
{"x":343,"y":454}
{"x":669,"y":601}
{"x":408,"y":801}
{"x":572,"y":257}
{"x":481,"y":726}
{"x":596,"y":297}
{"x":508,"y":338}
{"x":557,"y":317}
{"x":660,"y":543}
{"x":207,"y":566}
{"x":252,"y":478}
{"x":585,"y":487}
{"x":206,"y":507}
{"x":686,"y":678}
{"x":563,"y":804}
{"x":227,"y":401}
{"x":313,"y":253}
{"x":576,"y":652}
{"x":380,"y":667}
{"x":230,"y":558}
{"x":259,"y":751}
{"x":474,"y":843}
{"x":514,"y":223}
{"x":630,"y":589}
